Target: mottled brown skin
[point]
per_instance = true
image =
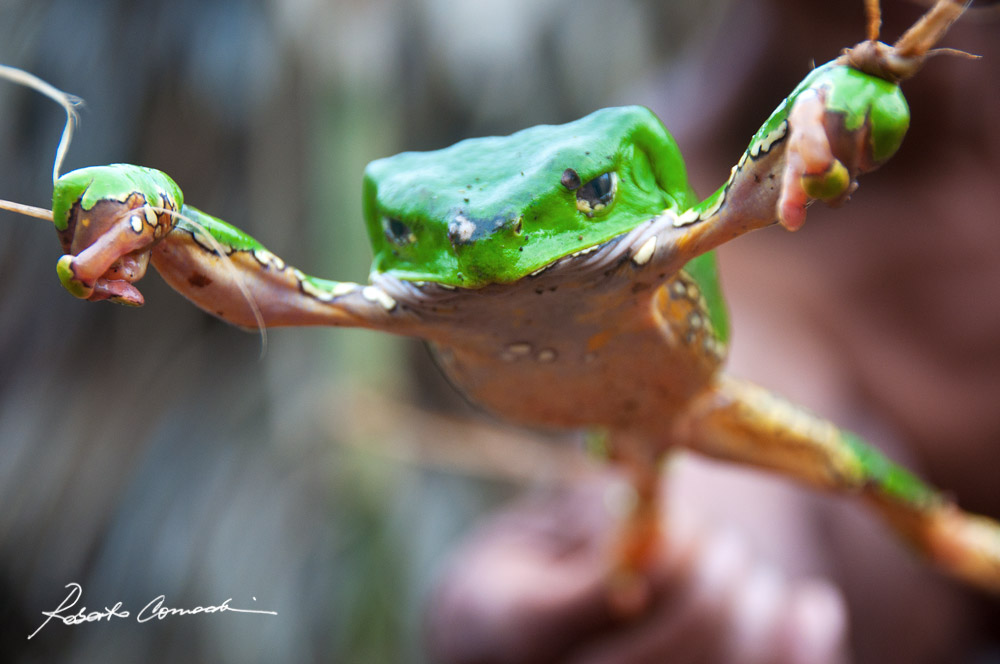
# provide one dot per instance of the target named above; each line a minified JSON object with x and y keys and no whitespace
{"x":617,"y":338}
{"x":611,"y":352}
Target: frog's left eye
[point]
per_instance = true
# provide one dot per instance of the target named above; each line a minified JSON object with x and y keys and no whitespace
{"x":398,"y":232}
{"x":597,"y":194}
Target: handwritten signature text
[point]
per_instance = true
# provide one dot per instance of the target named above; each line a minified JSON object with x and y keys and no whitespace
{"x":154,"y":610}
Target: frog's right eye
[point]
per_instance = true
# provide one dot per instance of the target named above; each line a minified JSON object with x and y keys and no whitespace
{"x":597,"y":194}
{"x":398,"y":232}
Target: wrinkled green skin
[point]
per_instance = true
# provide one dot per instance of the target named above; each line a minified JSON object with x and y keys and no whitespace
{"x":508,"y":188}
{"x":557,"y":315}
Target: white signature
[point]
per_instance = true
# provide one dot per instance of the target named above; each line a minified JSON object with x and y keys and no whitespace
{"x":155,"y":610}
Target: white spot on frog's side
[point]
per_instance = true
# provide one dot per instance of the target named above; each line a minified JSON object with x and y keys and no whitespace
{"x":461,"y":229}
{"x":267,"y":259}
{"x":714,"y":347}
{"x":325,"y":294}
{"x":765,"y":144}
{"x":136,"y":223}
{"x":540,"y":270}
{"x":645,"y":252}
{"x":547,"y":355}
{"x":739,"y":165}
{"x":309,"y":289}
{"x":202,"y":241}
{"x":715,"y":206}
{"x":516,"y":350}
{"x":150,"y":216}
{"x":678,"y":289}
{"x":584,"y":252}
{"x":344,"y":287}
{"x":376,"y":294}
{"x":688,"y":217}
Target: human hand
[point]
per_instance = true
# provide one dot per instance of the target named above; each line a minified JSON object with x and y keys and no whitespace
{"x":533,"y":585}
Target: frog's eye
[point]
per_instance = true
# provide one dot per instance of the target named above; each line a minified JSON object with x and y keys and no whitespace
{"x":597,"y":194}
{"x":398,"y":232}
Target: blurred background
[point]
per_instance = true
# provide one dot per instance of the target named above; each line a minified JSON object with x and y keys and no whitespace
{"x":154,"y":451}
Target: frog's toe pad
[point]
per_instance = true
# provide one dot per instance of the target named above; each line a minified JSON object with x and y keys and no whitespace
{"x":65,"y":268}
{"x":830,"y":185}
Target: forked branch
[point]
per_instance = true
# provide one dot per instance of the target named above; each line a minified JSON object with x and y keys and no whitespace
{"x":904,"y":58}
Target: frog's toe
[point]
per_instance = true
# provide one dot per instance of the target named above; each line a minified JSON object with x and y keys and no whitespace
{"x":66,"y":268}
{"x":103,"y":288}
{"x":119,"y":291}
{"x":811,"y":170}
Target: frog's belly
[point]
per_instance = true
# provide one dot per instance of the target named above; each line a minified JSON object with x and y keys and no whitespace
{"x":627,"y":370}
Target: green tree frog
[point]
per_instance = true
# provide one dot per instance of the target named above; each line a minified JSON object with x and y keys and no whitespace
{"x":564,"y":278}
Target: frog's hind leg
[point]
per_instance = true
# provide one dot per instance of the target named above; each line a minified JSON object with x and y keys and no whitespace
{"x":637,"y":547}
{"x":740,"y":422}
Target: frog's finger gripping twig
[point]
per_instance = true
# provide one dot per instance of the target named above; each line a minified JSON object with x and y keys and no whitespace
{"x":813,"y":170}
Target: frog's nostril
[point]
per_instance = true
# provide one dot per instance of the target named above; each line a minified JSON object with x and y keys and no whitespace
{"x":570,"y":179}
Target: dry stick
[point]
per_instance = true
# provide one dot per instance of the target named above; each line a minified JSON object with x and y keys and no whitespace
{"x":67,"y":101}
{"x":904,"y":59}
{"x":874,"y":11}
{"x":926,"y":32}
{"x":69,"y":104}
{"x":26,"y":210}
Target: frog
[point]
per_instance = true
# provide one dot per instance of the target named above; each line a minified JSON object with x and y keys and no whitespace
{"x":564,"y":277}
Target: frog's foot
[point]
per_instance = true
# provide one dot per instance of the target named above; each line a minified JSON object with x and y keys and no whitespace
{"x":103,"y":288}
{"x":115,"y":283}
{"x":638,"y":545}
{"x":812,"y":172}
{"x":835,"y":134}
{"x":741,"y":422}
{"x":112,"y":242}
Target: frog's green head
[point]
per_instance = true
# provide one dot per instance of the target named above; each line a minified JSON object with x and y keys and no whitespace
{"x":115,"y":183}
{"x":493,"y":210}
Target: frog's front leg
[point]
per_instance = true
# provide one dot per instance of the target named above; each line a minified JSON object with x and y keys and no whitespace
{"x":837,"y":125}
{"x":230,"y":275}
{"x":738,"y":421}
{"x":113,"y":220}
